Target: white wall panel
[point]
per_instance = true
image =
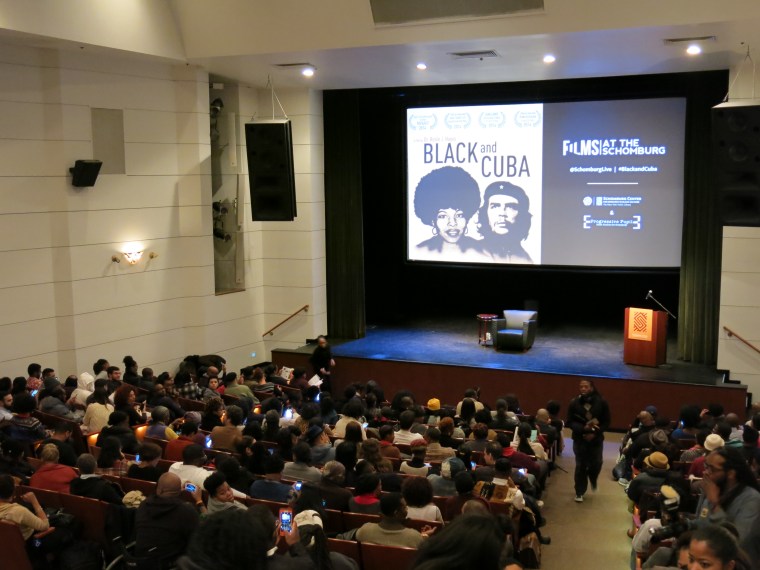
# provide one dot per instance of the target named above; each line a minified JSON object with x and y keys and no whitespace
{"x":27,"y":304}
{"x":35,"y":121}
{"x":41,"y":158}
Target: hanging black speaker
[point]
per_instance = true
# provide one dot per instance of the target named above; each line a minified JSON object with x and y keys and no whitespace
{"x":736,"y":161}
{"x":269,"y":146}
{"x":85,"y":172}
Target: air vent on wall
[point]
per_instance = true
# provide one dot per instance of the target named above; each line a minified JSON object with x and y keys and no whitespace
{"x":294,"y":65}
{"x":401,"y":12}
{"x":676,"y":41}
{"x":481,"y":54}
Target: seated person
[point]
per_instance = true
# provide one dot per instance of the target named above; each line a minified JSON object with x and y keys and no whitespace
{"x":322,"y":449}
{"x":435,"y":452}
{"x":271,"y":488}
{"x":51,"y":475}
{"x":118,"y":427}
{"x":228,"y":436}
{"x":28,"y":522}
{"x":390,"y":531}
{"x":366,"y":493}
{"x":465,"y":486}
{"x":479,"y":437}
{"x":238,"y":477}
{"x":23,"y":426}
{"x":300,"y":468}
{"x":160,"y":418}
{"x":147,"y":468}
{"x":653,"y":476}
{"x":191,"y":469}
{"x":56,"y":404}
{"x":443,"y":484}
{"x":418,"y":494}
{"x":404,"y":435}
{"x":417,"y":465}
{"x":13,"y":462}
{"x":60,"y":438}
{"x":187,"y":434}
{"x":335,"y":495}
{"x":91,"y":485}
{"x":220,"y":495}
{"x":164,"y":522}
{"x":387,"y":436}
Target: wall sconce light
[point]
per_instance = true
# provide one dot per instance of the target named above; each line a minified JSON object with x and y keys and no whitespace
{"x":132,"y":257}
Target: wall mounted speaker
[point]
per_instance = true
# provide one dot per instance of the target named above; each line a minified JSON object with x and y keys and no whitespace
{"x":85,"y":172}
{"x":269,"y":147}
{"x":736,"y":161}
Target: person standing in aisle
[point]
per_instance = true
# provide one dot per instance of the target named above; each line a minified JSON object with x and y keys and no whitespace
{"x":588,"y":417}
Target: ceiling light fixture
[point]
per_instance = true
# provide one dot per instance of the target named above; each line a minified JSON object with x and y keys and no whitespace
{"x":549,"y":58}
{"x":422,"y":66}
{"x":693,"y":49}
{"x":307,"y":72}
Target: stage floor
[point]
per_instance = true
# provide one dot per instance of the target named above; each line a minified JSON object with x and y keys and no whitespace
{"x":575,"y":350}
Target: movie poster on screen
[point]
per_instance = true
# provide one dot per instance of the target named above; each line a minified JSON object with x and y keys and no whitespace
{"x":475,"y":184}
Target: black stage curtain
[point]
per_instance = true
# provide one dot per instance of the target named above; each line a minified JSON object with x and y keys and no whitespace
{"x":365,"y":194}
{"x":343,"y":215}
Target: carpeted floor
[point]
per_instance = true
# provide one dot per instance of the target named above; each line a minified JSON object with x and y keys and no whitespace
{"x":589,"y":535}
{"x":588,"y":351}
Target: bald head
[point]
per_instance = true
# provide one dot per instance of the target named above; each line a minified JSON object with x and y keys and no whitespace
{"x":646,"y":418}
{"x":212,"y":372}
{"x":733,"y":420}
{"x":542,"y":415}
{"x":169,"y":485}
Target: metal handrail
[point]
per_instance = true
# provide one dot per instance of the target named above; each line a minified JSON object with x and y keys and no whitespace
{"x":731,"y":333}
{"x":304,"y":309}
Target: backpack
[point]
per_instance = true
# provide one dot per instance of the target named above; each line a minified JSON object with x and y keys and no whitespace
{"x":529,"y":551}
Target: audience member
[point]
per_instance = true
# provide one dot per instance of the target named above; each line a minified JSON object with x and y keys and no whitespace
{"x":23,"y":426}
{"x":271,"y":487}
{"x":404,"y":435}
{"x":91,"y":485}
{"x":60,"y":438}
{"x":335,"y":495}
{"x":212,"y":415}
{"x":464,"y":487}
{"x":118,"y":427}
{"x":165,"y":523}
{"x":443,"y":484}
{"x":98,"y":411}
{"x":125,"y":400}
{"x":220,"y":494}
{"x":160,"y":419}
{"x":227,"y":437}
{"x":28,"y":521}
{"x":187,"y":432}
{"x":416,"y":465}
{"x":366,"y":495}
{"x":147,"y":468}
{"x":55,"y":404}
{"x":322,"y":450}
{"x":191,"y":469}
{"x":314,"y":540}
{"x":390,"y":531}
{"x":51,"y":475}
{"x":418,"y":494}
{"x":300,"y":469}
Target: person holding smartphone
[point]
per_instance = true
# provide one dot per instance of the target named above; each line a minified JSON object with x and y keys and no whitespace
{"x":164,"y":522}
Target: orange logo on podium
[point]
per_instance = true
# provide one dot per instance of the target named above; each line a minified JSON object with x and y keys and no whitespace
{"x":640,"y":323}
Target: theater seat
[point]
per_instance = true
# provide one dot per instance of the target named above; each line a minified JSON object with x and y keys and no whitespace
{"x":379,"y":557}
{"x":14,"y":547}
{"x":516,"y":331}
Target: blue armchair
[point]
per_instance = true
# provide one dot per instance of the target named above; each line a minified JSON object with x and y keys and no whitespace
{"x":516,"y":331}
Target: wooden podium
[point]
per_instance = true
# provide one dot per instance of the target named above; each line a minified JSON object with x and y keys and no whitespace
{"x":645,"y":337}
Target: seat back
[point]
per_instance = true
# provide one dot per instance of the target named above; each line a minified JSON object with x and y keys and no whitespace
{"x":159,"y":442}
{"x":379,"y":557}
{"x":128,"y":484}
{"x":333,"y":521}
{"x":91,"y":513}
{"x":49,"y":499}
{"x":515,"y":319}
{"x":355,"y":520}
{"x":14,"y":547}
{"x":348,"y":548}
{"x":191,"y":405}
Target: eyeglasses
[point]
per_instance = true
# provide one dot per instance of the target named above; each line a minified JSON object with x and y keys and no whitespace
{"x":713,"y":468}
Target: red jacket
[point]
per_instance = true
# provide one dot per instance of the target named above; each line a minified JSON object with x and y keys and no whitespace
{"x":174,"y":448}
{"x":521,"y":461}
{"x":53,"y":477}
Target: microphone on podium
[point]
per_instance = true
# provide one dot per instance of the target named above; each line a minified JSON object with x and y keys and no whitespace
{"x":648,"y":295}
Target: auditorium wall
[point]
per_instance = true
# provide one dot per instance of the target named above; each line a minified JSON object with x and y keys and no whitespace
{"x":740,"y":306}
{"x":65,"y":303}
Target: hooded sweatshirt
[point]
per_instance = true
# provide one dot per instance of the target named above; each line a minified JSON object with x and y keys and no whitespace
{"x":85,"y":386}
{"x":163,"y":527}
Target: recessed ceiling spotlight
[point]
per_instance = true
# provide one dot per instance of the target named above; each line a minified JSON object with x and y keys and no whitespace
{"x":307,"y":71}
{"x":422,"y":66}
{"x":693,"y":49}
{"x":549,"y":58}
